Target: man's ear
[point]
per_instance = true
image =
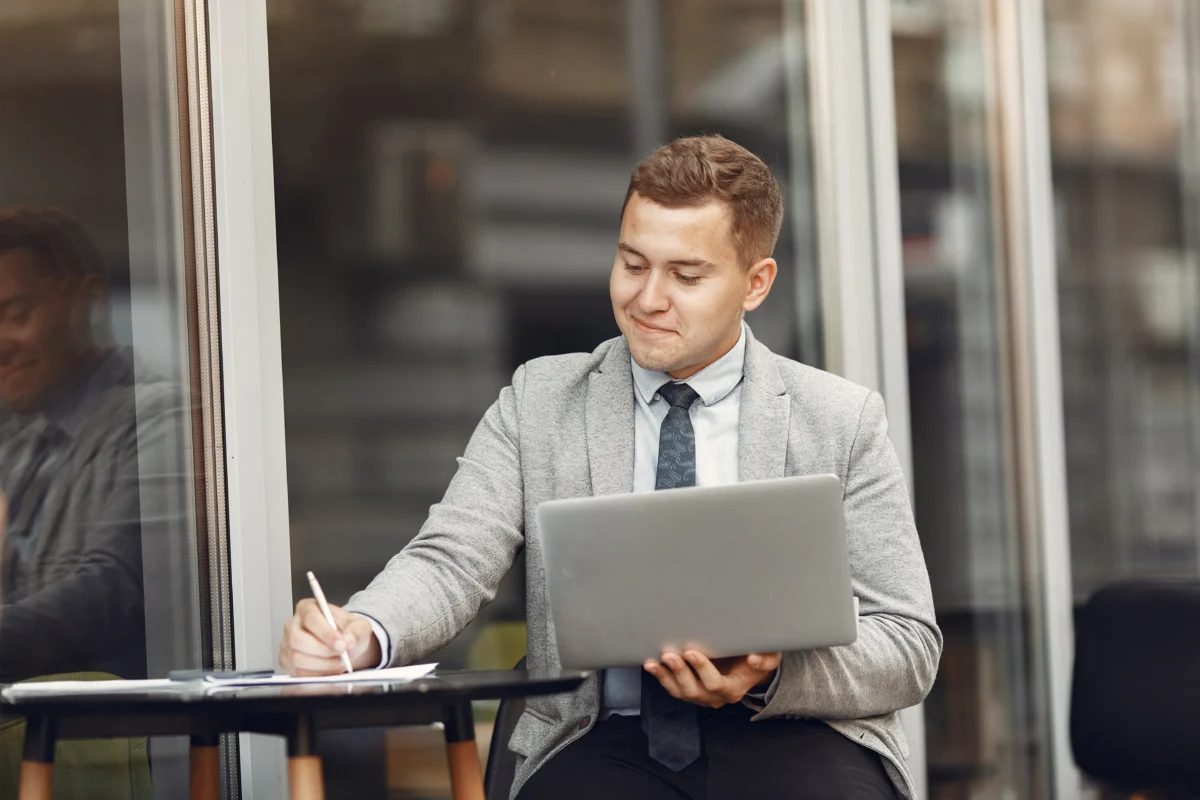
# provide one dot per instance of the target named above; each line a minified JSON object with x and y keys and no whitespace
{"x":760,"y":277}
{"x":89,"y":305}
{"x":94,"y":289}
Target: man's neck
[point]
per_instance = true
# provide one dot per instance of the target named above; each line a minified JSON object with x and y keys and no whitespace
{"x":730,"y":342}
{"x":62,"y":398}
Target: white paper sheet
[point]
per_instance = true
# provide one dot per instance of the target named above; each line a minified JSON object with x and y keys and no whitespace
{"x":19,"y":691}
{"x":410,"y":673}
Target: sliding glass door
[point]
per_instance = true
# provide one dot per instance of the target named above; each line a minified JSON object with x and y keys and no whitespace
{"x":113,"y":560}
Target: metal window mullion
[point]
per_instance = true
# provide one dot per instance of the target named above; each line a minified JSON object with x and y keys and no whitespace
{"x":251,"y":364}
{"x":1038,"y":397}
{"x":856,"y":186}
{"x":891,"y":312}
{"x":191,"y":22}
{"x":208,"y":340}
{"x":842,"y":187}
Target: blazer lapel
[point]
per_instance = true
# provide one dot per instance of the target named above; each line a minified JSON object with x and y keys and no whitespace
{"x":610,"y":423}
{"x":763,"y":429}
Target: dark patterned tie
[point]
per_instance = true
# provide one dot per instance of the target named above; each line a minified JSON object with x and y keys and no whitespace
{"x":673,"y":726}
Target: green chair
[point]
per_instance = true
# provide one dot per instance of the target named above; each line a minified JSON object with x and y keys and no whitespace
{"x":92,"y":769}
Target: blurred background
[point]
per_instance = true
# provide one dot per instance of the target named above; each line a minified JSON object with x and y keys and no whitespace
{"x":448,"y":176}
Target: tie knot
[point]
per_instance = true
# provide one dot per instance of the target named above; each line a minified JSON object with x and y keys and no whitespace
{"x":679,"y":395}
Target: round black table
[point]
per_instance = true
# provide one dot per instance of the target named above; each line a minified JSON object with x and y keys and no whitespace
{"x":295,"y":712}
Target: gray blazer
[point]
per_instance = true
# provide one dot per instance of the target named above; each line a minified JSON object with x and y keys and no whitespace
{"x":565,"y":428}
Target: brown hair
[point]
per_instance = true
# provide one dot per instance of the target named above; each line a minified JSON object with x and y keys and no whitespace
{"x":698,"y":169}
{"x":61,"y":246}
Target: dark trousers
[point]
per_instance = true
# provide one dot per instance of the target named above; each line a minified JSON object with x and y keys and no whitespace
{"x":785,"y":759}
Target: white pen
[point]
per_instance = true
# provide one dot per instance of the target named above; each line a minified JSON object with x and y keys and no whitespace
{"x":324,"y":605}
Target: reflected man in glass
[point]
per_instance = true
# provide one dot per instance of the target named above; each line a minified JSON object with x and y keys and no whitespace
{"x":71,"y":569}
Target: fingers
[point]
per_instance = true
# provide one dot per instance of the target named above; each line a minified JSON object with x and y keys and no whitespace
{"x":765,"y":663}
{"x":310,"y":618}
{"x":356,"y":630}
{"x":756,"y":667}
{"x":665,"y":677}
{"x":365,"y":652}
{"x":689,"y":685}
{"x":311,"y":646}
{"x":696,"y":678}
{"x":301,"y":665}
{"x":297,"y":662}
{"x":677,"y":677}
{"x":707,"y":672}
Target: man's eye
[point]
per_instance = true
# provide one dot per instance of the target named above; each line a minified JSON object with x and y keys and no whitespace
{"x":689,"y":280}
{"x":18,"y":314}
{"x":635,"y":268}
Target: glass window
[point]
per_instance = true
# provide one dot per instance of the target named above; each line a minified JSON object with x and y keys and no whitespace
{"x":449,"y":182}
{"x":101,"y":550}
{"x":1124,"y":87}
{"x":985,"y":734}
{"x":1125,"y":158}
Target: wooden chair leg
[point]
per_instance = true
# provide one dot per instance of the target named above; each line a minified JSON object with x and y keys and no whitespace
{"x":205,"y":768}
{"x":466,"y":775}
{"x":305,"y":778}
{"x":37,"y":780}
{"x":37,"y":766}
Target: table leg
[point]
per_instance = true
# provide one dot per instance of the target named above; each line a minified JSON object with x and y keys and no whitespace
{"x":304,"y":765}
{"x":205,"y":767}
{"x":466,"y":776}
{"x":37,"y":767}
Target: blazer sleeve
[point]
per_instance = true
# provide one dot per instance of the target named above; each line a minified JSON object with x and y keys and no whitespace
{"x":429,"y":591}
{"x":893,"y":663}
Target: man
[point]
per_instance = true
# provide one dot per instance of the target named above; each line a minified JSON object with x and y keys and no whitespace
{"x":71,"y":591}
{"x":700,"y":222}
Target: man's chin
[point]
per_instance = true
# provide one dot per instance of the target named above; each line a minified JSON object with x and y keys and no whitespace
{"x":654,"y":362}
{"x":20,"y":398}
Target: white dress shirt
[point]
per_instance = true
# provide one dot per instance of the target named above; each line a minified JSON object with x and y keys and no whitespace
{"x":715,"y":419}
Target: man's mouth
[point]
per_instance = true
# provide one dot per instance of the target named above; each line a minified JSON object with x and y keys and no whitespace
{"x":644,"y":328}
{"x":8,"y":373}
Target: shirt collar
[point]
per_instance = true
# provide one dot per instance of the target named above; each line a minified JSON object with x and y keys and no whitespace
{"x":713,"y":383}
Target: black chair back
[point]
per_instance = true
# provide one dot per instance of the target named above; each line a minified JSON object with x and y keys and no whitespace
{"x":502,"y":762}
{"x":1135,"y":699}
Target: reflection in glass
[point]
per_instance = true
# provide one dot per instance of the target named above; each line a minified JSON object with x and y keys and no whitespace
{"x":1121,"y":96}
{"x":71,"y":576}
{"x":985,"y":735}
{"x":99,"y":567}
{"x":1124,"y":93}
{"x":449,"y":178}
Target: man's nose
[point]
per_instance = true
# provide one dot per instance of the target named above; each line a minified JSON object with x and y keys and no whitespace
{"x":653,"y":297}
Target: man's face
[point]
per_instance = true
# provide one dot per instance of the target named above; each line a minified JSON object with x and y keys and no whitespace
{"x":40,"y":330}
{"x":678,"y":286}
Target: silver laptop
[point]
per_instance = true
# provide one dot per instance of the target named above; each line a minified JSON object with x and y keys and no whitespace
{"x":757,"y":567}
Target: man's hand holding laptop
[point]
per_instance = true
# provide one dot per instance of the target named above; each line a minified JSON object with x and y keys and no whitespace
{"x":713,"y":683}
